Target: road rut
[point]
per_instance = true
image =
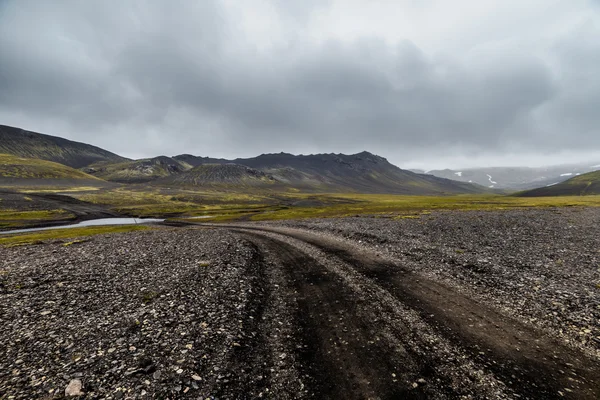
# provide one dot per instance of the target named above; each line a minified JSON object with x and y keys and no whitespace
{"x":370,"y":328}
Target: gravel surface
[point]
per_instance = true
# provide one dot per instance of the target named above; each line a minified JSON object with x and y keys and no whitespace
{"x":167,"y":313}
{"x":540,"y":265}
{"x":341,"y":308}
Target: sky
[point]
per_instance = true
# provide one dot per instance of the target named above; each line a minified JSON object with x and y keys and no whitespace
{"x":425,"y":83}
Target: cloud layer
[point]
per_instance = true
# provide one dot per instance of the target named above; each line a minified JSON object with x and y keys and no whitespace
{"x":417,"y":82}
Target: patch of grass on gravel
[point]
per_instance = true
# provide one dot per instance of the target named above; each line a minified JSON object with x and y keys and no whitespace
{"x":56,"y":234}
{"x":396,"y":205}
{"x":147,"y":296}
{"x":15,"y":219}
{"x":33,"y":215}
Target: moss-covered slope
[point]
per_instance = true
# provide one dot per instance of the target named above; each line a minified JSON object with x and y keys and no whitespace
{"x":19,"y":168}
{"x":22,"y":143}
{"x":585,"y":184}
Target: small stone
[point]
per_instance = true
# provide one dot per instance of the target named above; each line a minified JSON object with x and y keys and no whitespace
{"x":156,"y":375}
{"x":415,"y":385}
{"x":189,"y":346}
{"x":196,"y":377}
{"x":421,"y":380}
{"x":111,"y":350}
{"x":74,"y":388}
{"x":45,"y":312}
{"x":179,"y":371}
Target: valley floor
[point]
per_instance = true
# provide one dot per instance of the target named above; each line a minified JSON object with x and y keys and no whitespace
{"x":450,"y":304}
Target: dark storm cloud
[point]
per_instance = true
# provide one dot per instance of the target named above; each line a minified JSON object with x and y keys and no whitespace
{"x":174,"y":77}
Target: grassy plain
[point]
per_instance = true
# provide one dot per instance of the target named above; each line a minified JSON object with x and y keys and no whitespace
{"x":60,"y":234}
{"x":336,"y":205}
{"x":225,"y":206}
{"x":14,"y":218}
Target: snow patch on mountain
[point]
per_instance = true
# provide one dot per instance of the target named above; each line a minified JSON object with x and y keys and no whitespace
{"x":491,"y":181}
{"x":567,"y":174}
{"x":458,"y":173}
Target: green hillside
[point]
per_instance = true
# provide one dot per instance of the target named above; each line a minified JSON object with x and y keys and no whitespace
{"x":16,"y":168}
{"x":585,"y":184}
{"x":22,"y":143}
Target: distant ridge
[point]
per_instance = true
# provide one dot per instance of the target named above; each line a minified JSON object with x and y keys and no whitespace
{"x":22,"y":143}
{"x":516,"y":178}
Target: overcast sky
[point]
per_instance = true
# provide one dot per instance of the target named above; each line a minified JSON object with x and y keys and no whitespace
{"x":425,"y":83}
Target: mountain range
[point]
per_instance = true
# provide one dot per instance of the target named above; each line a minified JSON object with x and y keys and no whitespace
{"x":359,"y":173}
{"x":59,"y":158}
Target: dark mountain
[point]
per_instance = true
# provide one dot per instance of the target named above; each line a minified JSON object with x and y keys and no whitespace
{"x":585,"y":184}
{"x":363,"y":172}
{"x":517,"y":178}
{"x":223,"y":175}
{"x":194,"y":161}
{"x":138,"y":171}
{"x":28,"y":144}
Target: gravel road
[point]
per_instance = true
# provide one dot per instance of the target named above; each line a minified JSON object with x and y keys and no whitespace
{"x":497,"y":305}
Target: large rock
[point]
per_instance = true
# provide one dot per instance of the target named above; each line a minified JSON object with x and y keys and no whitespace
{"x":74,"y":388}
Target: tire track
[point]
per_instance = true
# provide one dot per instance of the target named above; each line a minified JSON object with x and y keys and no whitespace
{"x":338,"y":350}
{"x":531,"y":364}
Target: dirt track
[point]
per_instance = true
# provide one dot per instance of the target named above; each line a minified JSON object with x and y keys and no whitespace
{"x":256,"y":311}
{"x":378,"y":330}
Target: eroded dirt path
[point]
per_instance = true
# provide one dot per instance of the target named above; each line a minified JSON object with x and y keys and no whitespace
{"x":369,"y":328}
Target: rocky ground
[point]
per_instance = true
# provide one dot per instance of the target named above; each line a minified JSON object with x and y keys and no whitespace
{"x":446,"y":305}
{"x":541,"y":265}
{"x":165,"y":313}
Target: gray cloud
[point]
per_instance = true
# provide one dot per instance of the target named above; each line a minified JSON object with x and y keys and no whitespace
{"x":153,"y":77}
